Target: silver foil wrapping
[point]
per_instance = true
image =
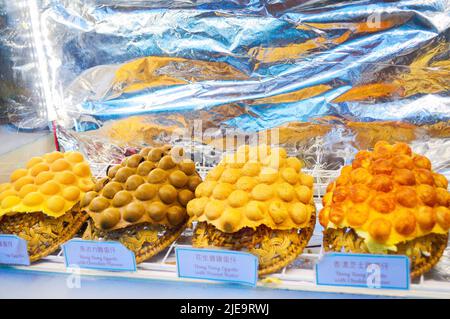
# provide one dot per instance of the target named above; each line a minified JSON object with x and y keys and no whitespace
{"x":331,"y":77}
{"x":21,"y":102}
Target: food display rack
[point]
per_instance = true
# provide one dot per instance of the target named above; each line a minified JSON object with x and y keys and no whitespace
{"x":299,"y":275}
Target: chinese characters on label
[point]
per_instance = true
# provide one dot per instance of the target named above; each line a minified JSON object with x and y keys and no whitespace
{"x":221,"y":265}
{"x":13,"y":250}
{"x":87,"y":254}
{"x":363,"y":270}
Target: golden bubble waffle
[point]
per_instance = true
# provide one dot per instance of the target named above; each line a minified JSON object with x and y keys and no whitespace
{"x":257,"y":200}
{"x":40,"y":202}
{"x":388,"y":201}
{"x":142,"y":201}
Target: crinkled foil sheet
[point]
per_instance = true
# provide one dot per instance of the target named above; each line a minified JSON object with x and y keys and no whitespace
{"x":332,"y":77}
{"x":329,"y":77}
{"x":21,"y":102}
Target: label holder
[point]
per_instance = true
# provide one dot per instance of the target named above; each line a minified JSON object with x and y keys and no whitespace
{"x":132,"y":257}
{"x":21,"y":244}
{"x":350,"y":256}
{"x":252,"y":282}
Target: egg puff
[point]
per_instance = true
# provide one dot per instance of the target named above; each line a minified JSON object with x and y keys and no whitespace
{"x":153,"y":187}
{"x":255,"y":186}
{"x":391,"y":194}
{"x":388,"y":201}
{"x":257,"y":200}
{"x":40,"y":203}
{"x":52,"y":184}
{"x":141,"y":202}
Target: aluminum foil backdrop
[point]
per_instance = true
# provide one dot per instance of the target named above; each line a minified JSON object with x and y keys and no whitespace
{"x":21,"y":103}
{"x":332,"y":76}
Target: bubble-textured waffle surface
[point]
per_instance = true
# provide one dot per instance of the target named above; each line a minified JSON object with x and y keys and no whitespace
{"x":388,"y":196}
{"x":257,"y":185}
{"x":51,"y":184}
{"x":153,"y":187}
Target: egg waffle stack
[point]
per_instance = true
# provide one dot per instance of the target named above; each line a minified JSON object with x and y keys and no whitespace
{"x":256,"y":200}
{"x":41,"y":201}
{"x":388,"y":201}
{"x":142,"y":201}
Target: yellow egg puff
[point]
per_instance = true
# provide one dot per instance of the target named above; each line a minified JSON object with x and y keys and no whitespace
{"x":5,"y":186}
{"x":52,"y":184}
{"x":17,"y":174}
{"x":267,"y":188}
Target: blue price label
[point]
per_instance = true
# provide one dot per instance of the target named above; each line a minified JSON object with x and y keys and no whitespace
{"x":363,"y":270}
{"x":13,"y":250}
{"x":215,"y":264}
{"x":102,"y":255}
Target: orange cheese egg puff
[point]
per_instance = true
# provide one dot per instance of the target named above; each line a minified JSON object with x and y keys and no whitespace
{"x":390,"y":194}
{"x":257,"y":185}
{"x":52,"y":184}
{"x":151,"y":187}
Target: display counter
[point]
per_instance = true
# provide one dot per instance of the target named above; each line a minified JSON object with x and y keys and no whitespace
{"x":157,"y":278}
